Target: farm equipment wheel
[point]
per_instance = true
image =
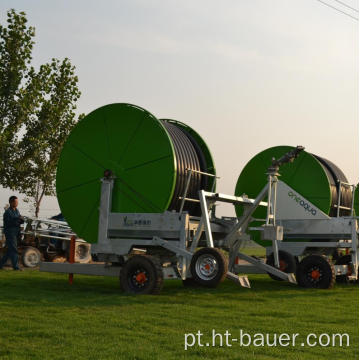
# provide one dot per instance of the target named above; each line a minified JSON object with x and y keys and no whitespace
{"x":31,"y":257}
{"x":315,"y":271}
{"x":82,"y":252}
{"x":343,"y":260}
{"x":209,"y":267}
{"x":142,"y":274}
{"x":287,"y":263}
{"x":190,"y":283}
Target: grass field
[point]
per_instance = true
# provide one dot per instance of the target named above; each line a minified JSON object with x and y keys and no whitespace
{"x":43,"y":317}
{"x":254,"y":251}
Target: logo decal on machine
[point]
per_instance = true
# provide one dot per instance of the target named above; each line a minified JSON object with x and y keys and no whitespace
{"x":302,"y":203}
{"x":136,"y":222}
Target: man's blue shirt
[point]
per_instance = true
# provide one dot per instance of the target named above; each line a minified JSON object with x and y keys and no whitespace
{"x":12,"y":220}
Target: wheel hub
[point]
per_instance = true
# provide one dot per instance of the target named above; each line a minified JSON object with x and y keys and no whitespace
{"x":139,"y":278}
{"x":207,"y":267}
{"x":314,"y":274}
{"x":32,"y":258}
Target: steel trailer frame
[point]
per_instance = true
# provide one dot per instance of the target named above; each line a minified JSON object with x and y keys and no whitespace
{"x":120,"y":235}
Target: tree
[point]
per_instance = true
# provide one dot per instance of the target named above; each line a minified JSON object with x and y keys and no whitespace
{"x":37,"y":110}
{"x":46,"y":131}
{"x":16,"y":43}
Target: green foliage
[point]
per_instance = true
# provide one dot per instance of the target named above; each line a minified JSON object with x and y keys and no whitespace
{"x":37,"y":112}
{"x":16,"y":43}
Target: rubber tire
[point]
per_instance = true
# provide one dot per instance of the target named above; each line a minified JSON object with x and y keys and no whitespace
{"x":190,"y":283}
{"x":222,"y":264}
{"x":323,"y":264}
{"x":343,"y":260}
{"x":30,"y":251}
{"x":290,"y":263}
{"x":155,"y":274}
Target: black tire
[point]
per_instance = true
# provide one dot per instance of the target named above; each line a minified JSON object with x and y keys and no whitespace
{"x":190,"y":283}
{"x":209,"y":267}
{"x":142,"y":274}
{"x":30,"y":257}
{"x":343,"y":260}
{"x":287,"y":261}
{"x":315,"y":271}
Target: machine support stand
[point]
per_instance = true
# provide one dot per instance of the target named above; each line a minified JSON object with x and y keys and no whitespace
{"x":72,"y":257}
{"x":205,"y":209}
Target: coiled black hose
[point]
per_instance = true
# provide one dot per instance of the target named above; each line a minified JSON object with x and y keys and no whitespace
{"x":188,"y":155}
{"x":335,"y":175}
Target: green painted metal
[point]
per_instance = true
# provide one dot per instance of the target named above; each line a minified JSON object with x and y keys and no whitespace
{"x":210,"y":164}
{"x":305,"y":175}
{"x":130,"y":142}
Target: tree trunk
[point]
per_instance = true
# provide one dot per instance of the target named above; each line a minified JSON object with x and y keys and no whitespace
{"x":37,"y":209}
{"x":38,"y":202}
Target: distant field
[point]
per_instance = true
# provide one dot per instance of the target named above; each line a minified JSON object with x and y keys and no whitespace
{"x":254,"y":251}
{"x":42,"y":317}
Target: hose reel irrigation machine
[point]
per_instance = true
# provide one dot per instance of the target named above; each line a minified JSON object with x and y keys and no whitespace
{"x":143,"y":192}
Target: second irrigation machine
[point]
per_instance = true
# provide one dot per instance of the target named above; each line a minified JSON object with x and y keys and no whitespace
{"x":142,"y":190}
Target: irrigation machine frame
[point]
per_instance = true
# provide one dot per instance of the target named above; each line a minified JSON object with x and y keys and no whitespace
{"x":142,"y":249}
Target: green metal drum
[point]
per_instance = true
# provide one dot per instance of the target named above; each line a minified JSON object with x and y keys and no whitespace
{"x":130,"y":142}
{"x":143,"y":156}
{"x":311,"y":176}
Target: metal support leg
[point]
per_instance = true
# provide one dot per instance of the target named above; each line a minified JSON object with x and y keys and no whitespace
{"x":198,"y":233}
{"x":268,"y":268}
{"x":185,"y":191}
{"x":246,"y":217}
{"x":168,"y":245}
{"x":276,"y":253}
{"x":183,"y":260}
{"x":104,"y":213}
{"x":234,"y":250}
{"x":271,"y":212}
{"x":205,"y":216}
{"x":355,"y":248}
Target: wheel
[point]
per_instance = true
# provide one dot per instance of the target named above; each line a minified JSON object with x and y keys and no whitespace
{"x":82,"y":252}
{"x":142,"y":274}
{"x":343,"y":260}
{"x":209,"y":267}
{"x":190,"y":283}
{"x":315,"y":271}
{"x":31,"y":257}
{"x":287,"y":263}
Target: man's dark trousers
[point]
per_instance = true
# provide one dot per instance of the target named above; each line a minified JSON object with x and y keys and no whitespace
{"x":12,"y":253}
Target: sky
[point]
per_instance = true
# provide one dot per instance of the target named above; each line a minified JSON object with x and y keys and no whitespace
{"x":245,"y":74}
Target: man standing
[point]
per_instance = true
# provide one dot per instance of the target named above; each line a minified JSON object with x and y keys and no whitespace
{"x":12,"y":222}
